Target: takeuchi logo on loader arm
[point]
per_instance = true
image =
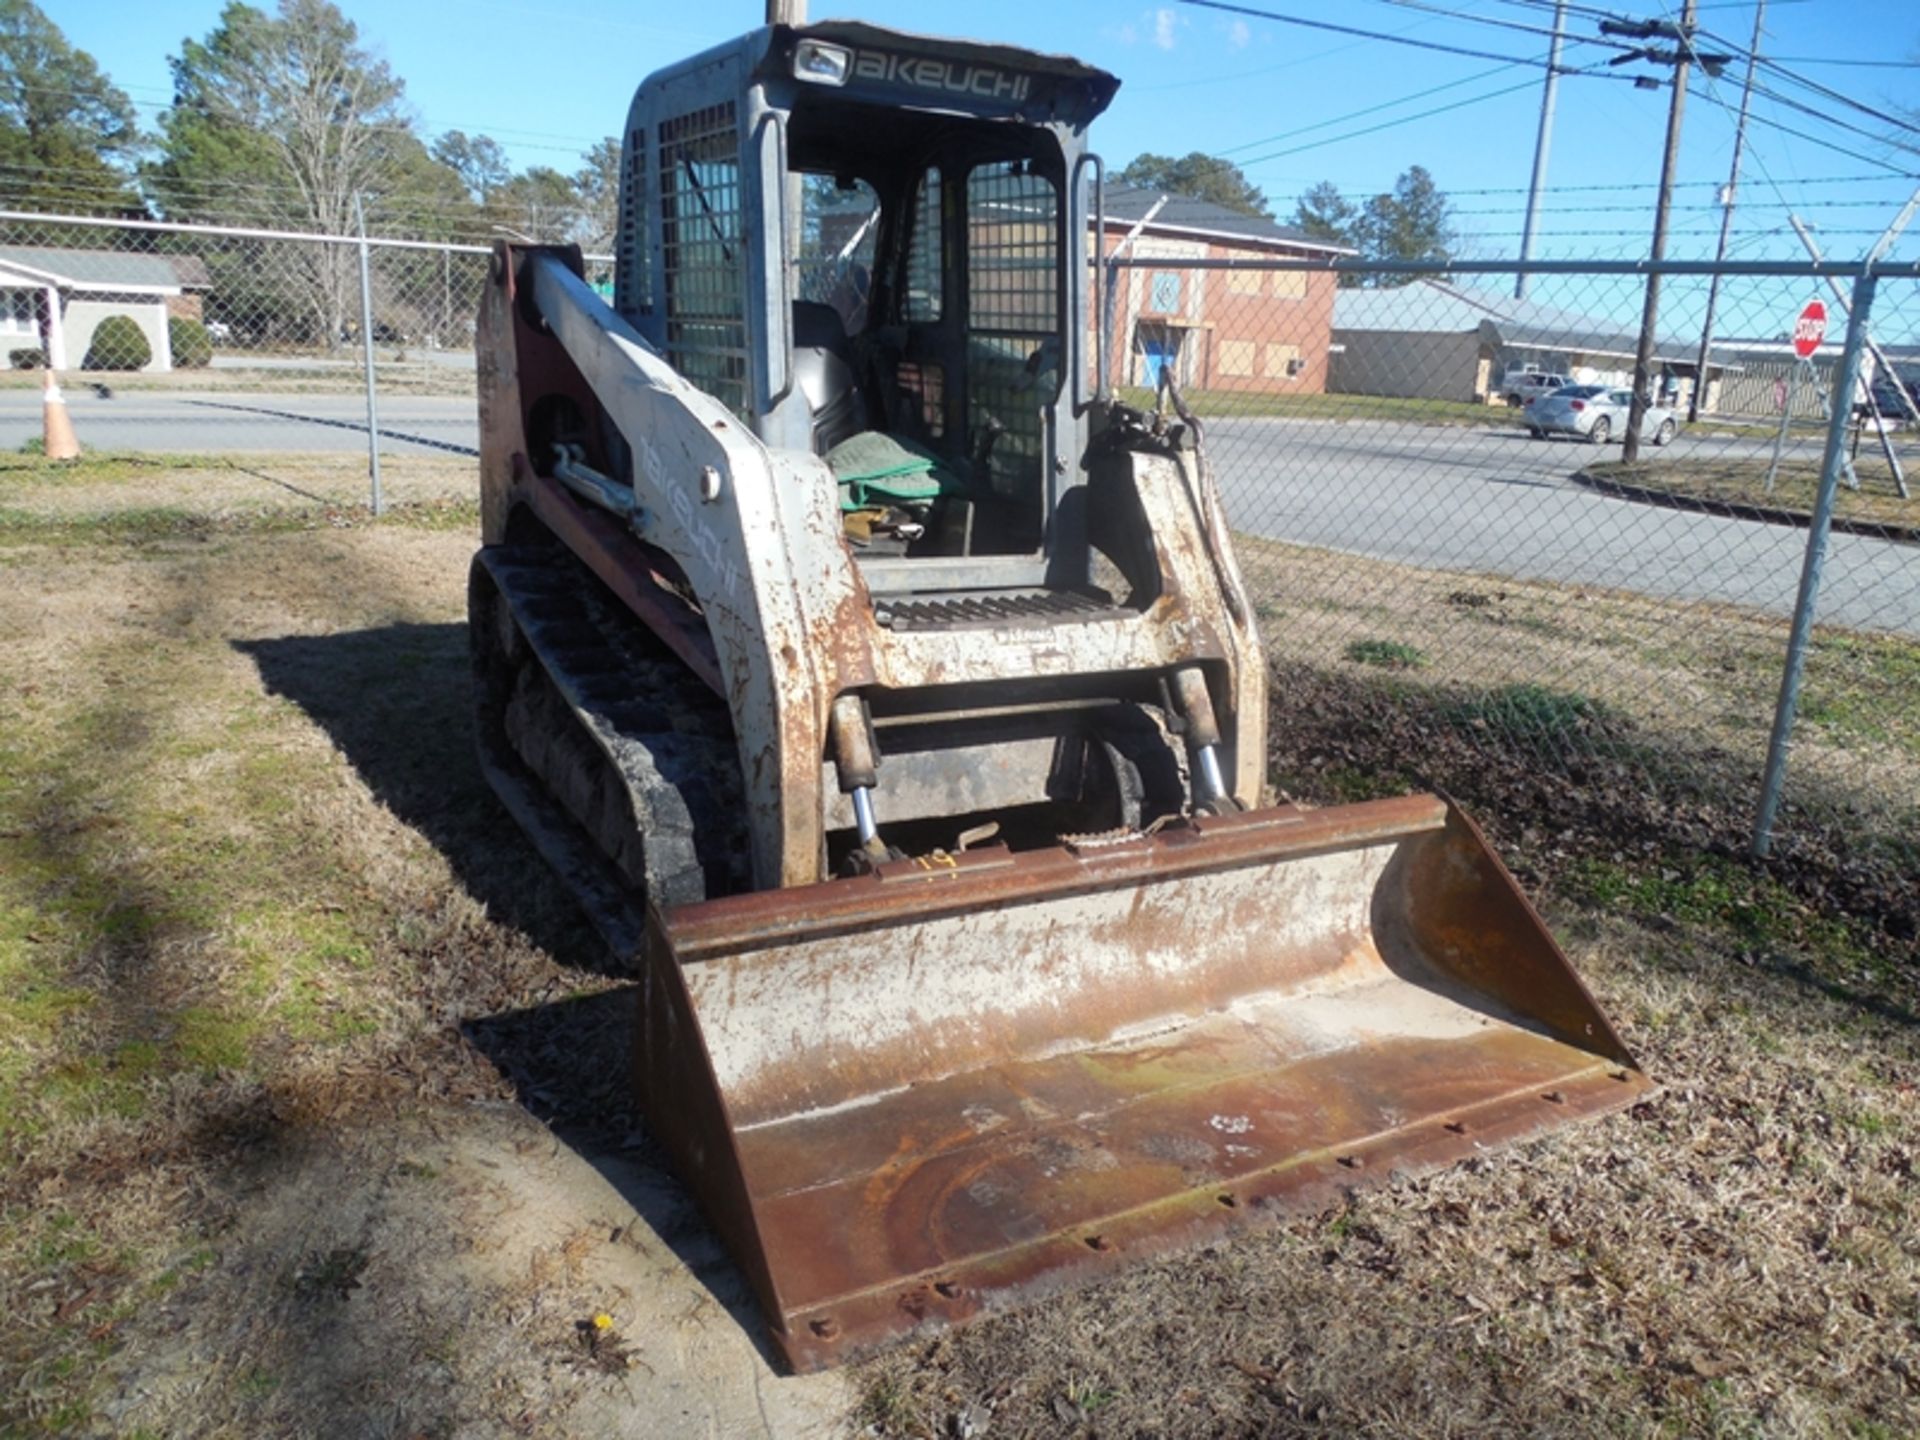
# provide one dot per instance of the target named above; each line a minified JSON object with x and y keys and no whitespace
{"x":926,"y":73}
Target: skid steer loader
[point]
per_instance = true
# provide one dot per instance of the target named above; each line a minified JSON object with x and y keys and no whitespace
{"x":889,"y":696}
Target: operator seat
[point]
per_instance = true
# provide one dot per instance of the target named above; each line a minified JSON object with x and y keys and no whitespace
{"x":823,"y":373}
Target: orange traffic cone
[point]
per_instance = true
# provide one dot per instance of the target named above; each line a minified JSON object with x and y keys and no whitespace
{"x":56,"y":424}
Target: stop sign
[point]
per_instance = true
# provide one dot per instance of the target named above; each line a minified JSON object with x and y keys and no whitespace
{"x":1810,"y":329}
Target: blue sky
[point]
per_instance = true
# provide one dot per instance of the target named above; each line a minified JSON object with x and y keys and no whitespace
{"x":546,"y":78}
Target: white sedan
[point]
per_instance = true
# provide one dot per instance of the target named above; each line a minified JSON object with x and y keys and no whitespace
{"x":1595,"y":413}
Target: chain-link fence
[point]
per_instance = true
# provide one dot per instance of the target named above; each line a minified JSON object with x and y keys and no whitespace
{"x":1454,"y":556}
{"x":211,"y":338}
{"x":1458,"y":561}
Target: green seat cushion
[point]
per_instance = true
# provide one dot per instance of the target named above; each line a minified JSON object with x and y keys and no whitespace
{"x":874,"y":468}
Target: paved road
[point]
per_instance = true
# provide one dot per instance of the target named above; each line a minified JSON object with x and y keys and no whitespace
{"x":241,"y":422}
{"x":1496,"y":501}
{"x":1483,"y":500}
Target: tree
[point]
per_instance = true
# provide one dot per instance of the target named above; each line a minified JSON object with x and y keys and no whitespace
{"x":1200,"y":176}
{"x":1325,"y":214}
{"x":1412,"y":222}
{"x":478,"y":160}
{"x":282,"y":119}
{"x":582,"y":208}
{"x":597,"y":184}
{"x":66,"y":132}
{"x":540,"y":202}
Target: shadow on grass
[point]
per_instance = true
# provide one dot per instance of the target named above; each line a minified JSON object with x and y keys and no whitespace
{"x":397,"y":702}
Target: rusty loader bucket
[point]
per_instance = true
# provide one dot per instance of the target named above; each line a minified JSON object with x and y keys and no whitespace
{"x":919,"y":1095}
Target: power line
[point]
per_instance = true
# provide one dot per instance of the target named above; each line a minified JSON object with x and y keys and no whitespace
{"x":1651,"y":184}
{"x":1826,"y":144}
{"x":1834,"y":60}
{"x":1504,"y":24}
{"x":1584,"y":12}
{"x":1328,"y":25}
{"x":1369,"y":110}
{"x":1839,"y":97}
{"x":1262,"y":70}
{"x":1388,"y":124}
{"x":1706,"y":209}
{"x":1409,"y":119}
{"x":1820,"y":115}
{"x":1506,"y":61}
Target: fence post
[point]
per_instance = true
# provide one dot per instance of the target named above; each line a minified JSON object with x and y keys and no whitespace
{"x":1832,"y":459}
{"x":366,"y":350}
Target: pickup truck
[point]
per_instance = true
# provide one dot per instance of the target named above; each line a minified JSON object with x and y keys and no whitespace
{"x":1520,"y":386}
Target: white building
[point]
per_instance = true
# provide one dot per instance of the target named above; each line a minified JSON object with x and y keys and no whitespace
{"x":52,"y":299}
{"x":1433,"y":339}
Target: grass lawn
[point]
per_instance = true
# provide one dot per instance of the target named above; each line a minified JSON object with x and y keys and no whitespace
{"x":1795,"y":487}
{"x":313,"y":1107}
{"x":1231,"y":404}
{"x":1378,"y":409}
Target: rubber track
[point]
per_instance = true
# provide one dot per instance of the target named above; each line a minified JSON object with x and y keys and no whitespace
{"x":617,"y":760}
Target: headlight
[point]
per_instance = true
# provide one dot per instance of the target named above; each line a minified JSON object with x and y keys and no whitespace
{"x":820,"y":64}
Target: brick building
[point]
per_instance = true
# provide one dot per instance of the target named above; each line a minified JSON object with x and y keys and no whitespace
{"x":1254,"y":330}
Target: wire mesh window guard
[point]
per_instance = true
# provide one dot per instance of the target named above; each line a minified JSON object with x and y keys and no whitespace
{"x":1013,"y":300}
{"x":925,"y":274}
{"x":703,"y":252}
{"x":633,"y":272}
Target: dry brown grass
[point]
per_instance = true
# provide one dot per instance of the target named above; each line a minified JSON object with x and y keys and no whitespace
{"x":1687,"y":684}
{"x":226,"y":488}
{"x":313,"y":1115}
{"x":1711,"y":479}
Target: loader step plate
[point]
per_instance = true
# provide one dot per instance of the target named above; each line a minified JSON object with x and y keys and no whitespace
{"x":990,"y":609}
{"x":940,"y":1090}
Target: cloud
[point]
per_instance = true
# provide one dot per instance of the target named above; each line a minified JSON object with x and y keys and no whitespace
{"x":1164,"y":21}
{"x":1239,"y":35}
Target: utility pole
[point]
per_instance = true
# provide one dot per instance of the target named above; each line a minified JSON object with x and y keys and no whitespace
{"x":1726,"y":221}
{"x":1541,"y":145}
{"x":792,"y":12}
{"x":1681,"y":58}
